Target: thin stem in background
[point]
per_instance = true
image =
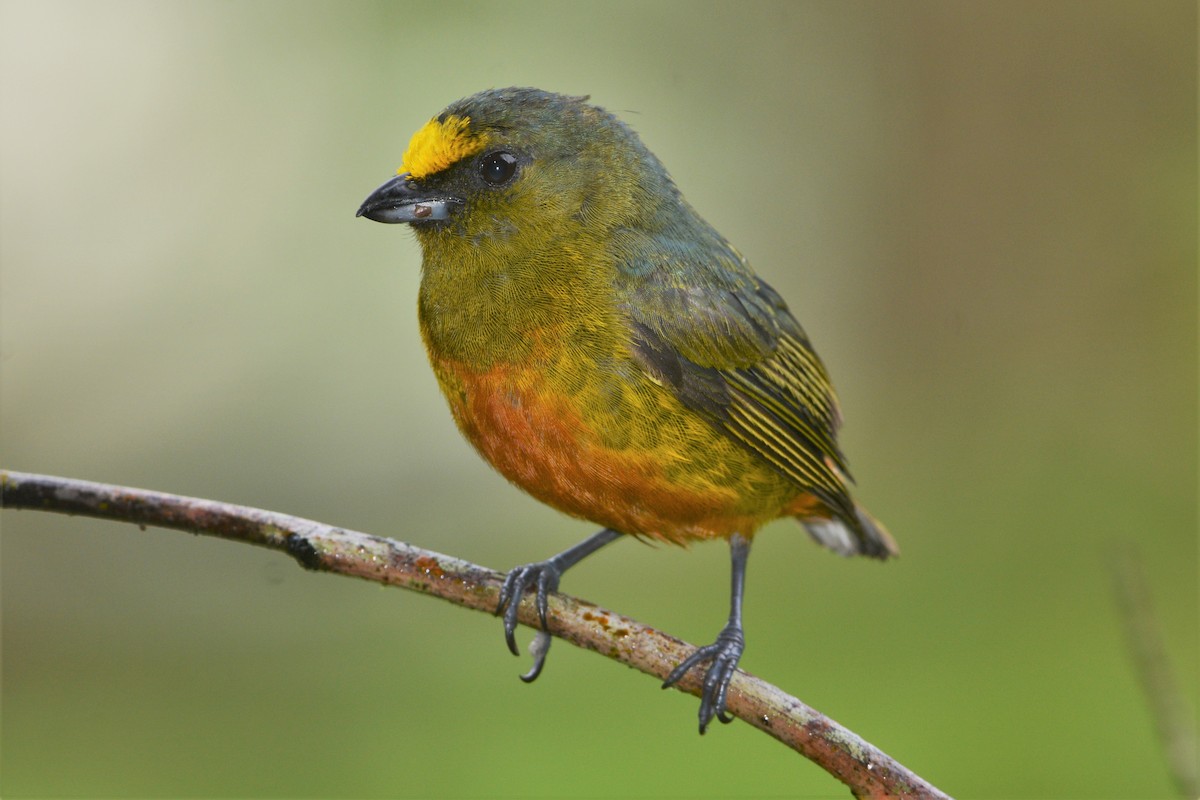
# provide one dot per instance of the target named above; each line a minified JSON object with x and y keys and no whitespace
{"x":1175,"y":724}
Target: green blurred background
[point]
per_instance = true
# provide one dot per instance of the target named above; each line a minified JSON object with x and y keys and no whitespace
{"x":983,"y":213}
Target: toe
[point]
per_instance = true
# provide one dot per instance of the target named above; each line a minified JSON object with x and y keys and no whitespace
{"x":538,"y":649}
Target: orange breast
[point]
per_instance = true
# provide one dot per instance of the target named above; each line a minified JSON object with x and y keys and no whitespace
{"x":631,"y":458}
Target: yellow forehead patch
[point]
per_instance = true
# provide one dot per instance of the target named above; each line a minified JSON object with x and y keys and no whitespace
{"x":439,"y":144}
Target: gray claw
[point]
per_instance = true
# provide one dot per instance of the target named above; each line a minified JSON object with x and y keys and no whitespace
{"x":545,"y":575}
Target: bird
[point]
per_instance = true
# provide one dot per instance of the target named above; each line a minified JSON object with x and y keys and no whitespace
{"x":610,"y":353}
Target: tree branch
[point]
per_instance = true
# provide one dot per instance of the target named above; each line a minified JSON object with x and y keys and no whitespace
{"x":868,"y":771}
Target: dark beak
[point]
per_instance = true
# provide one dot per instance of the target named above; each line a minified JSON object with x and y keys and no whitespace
{"x":400,"y":200}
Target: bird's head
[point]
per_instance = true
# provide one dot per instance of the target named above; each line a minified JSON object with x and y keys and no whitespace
{"x":522,"y":168}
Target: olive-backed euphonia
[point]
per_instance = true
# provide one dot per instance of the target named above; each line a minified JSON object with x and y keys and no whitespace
{"x":606,"y":350}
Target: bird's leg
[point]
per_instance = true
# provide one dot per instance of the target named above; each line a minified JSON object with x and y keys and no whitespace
{"x":725,"y":652}
{"x":544,"y":575}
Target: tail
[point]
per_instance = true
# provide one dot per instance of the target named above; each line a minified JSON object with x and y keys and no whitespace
{"x":865,"y":536}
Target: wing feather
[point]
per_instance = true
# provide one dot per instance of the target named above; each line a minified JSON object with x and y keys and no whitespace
{"x":724,"y":341}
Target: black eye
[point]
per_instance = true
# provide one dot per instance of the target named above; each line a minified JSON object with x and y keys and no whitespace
{"x":498,"y":168}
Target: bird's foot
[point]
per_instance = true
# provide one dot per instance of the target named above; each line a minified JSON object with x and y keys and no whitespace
{"x":544,"y":575}
{"x":724,"y":654}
